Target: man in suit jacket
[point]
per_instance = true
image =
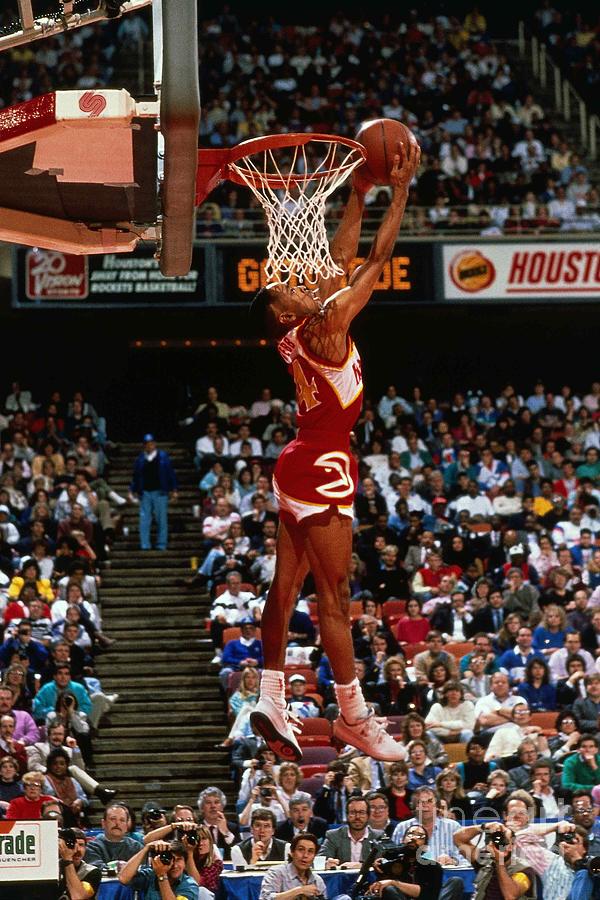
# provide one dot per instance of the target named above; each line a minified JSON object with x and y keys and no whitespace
{"x":417,"y":554}
{"x":301,"y":820}
{"x":490,"y":617}
{"x":350,"y":845}
{"x":211,"y":804}
{"x":262,"y":845}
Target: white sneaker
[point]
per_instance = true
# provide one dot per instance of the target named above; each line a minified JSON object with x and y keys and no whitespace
{"x":277,"y":727}
{"x":216,"y":658}
{"x":369,"y":736}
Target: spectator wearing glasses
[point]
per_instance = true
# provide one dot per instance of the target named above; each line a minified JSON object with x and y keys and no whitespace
{"x":30,"y":805}
{"x":379,"y":813}
{"x":583,"y":814}
{"x":350,"y":845}
{"x":440,"y":831}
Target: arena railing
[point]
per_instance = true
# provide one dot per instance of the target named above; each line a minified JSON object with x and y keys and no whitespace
{"x":471,"y":219}
{"x":567,"y":100}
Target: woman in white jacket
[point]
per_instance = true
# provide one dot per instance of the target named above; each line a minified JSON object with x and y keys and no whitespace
{"x":453,"y":719}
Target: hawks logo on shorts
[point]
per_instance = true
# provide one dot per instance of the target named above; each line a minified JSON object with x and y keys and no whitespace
{"x":317,"y":469}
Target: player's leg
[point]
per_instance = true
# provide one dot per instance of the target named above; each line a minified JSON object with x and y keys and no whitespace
{"x":291,"y":568}
{"x":328,"y":542}
{"x":271,"y":719}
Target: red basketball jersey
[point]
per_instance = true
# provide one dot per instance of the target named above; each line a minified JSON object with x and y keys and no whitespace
{"x":329,"y":395}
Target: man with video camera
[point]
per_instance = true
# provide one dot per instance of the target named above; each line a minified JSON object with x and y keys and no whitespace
{"x":406,"y":870}
{"x":165,"y":877}
{"x":499,"y":873}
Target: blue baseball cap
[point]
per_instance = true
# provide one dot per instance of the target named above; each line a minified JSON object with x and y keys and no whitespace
{"x":148,"y":437}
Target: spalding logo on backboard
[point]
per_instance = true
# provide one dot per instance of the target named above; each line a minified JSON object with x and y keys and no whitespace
{"x":51,"y":275}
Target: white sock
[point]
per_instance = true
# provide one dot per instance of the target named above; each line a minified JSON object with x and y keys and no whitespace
{"x":272,"y":684}
{"x":351,"y":701}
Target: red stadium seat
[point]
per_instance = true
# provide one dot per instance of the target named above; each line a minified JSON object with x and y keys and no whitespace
{"x":392,"y":611}
{"x":315,"y":733}
{"x":312,"y":756}
{"x":313,"y":784}
{"x":545,"y":720}
{"x":314,"y":769}
{"x":411,"y":650}
{"x":233,"y":633}
{"x":395,"y":724}
{"x":460,"y":649}
{"x":306,"y":672}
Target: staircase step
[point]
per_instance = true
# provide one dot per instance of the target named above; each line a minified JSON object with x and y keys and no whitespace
{"x":158,"y":740}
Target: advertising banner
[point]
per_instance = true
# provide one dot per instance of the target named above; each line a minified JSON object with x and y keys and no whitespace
{"x":28,"y":851}
{"x":48,"y":277}
{"x":407,"y":276}
{"x":521,"y":271}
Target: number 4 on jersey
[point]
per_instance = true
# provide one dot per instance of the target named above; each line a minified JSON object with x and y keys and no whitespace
{"x":305,"y":393}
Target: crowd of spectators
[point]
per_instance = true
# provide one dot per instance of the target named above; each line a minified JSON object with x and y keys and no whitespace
{"x":475,"y":585}
{"x":58,"y":517}
{"x":573,"y":37}
{"x":493,"y":159}
{"x":83,"y":59}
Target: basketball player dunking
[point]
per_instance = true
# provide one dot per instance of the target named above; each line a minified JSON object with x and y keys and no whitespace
{"x":315,"y":476}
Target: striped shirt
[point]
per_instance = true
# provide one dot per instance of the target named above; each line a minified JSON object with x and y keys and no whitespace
{"x":441,"y":841}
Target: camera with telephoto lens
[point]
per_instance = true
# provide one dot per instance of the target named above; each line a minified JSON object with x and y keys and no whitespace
{"x":497,"y":838}
{"x":68,"y":836}
{"x":190,"y":836}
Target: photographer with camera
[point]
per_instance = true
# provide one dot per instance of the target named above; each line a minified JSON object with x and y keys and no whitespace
{"x":264,"y":795}
{"x":407,"y":870}
{"x":78,"y":879}
{"x":499,"y":873}
{"x":295,"y":880}
{"x":332,"y":799}
{"x":165,"y":878}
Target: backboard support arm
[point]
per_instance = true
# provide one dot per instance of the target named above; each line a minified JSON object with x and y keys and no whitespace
{"x":33,"y":29}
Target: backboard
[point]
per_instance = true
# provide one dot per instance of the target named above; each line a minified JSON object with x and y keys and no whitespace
{"x":94,"y":171}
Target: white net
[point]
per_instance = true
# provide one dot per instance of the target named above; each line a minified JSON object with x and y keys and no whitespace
{"x":293,"y":185}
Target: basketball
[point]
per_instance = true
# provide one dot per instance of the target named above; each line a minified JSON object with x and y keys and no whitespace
{"x":380,"y":138}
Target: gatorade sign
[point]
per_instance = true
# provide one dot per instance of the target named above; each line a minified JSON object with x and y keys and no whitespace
{"x":28,"y":851}
{"x":525,"y":271}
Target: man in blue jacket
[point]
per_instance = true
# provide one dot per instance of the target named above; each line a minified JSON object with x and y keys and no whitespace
{"x":153,"y":481}
{"x":45,"y":699}
{"x":245,"y":651}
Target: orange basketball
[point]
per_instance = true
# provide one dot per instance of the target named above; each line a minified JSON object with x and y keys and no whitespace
{"x":380,"y":138}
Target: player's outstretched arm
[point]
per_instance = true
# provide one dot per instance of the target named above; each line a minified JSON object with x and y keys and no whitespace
{"x":344,"y":244}
{"x":349,"y":301}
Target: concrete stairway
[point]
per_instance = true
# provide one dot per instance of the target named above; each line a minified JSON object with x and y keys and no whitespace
{"x":545,"y":97}
{"x":158,"y":741}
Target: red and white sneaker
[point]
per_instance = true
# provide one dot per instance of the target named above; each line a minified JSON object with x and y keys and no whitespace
{"x":278,"y":727}
{"x":370,"y":736}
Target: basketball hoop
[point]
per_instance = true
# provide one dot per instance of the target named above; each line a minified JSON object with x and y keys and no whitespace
{"x":292,"y":175}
